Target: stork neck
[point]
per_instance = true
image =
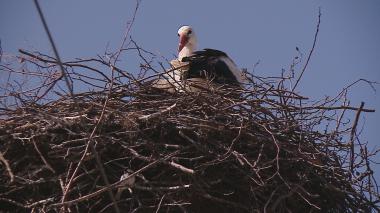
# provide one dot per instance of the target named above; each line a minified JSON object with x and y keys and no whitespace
{"x":186,"y":51}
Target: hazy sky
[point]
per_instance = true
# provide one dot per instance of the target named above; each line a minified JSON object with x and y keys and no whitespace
{"x":268,"y":31}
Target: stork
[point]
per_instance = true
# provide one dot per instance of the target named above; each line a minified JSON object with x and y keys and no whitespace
{"x":211,"y":64}
{"x":193,"y":69}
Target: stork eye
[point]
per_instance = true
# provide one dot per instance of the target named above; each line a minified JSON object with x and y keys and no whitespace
{"x":188,"y":33}
{"x":178,"y":34}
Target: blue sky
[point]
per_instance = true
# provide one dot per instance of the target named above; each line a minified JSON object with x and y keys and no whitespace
{"x":348,"y":47}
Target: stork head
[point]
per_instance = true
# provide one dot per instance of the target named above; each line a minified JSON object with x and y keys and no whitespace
{"x":187,"y":42}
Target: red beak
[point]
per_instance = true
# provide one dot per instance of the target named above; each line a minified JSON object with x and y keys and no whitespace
{"x":183,"y":39}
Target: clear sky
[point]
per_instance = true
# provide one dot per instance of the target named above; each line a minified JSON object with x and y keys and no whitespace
{"x":268,"y":31}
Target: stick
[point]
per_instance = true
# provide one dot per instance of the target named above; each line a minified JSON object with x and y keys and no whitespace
{"x":7,"y":167}
{"x":352,"y":138}
{"x":311,"y":51}
{"x":63,"y":73}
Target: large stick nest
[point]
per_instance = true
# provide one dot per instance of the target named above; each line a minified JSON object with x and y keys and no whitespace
{"x":261,"y":148}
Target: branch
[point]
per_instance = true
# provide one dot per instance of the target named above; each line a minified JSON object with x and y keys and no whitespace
{"x":352,"y":138}
{"x":311,"y":51}
{"x":63,"y":72}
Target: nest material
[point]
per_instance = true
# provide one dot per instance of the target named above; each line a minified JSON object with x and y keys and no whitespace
{"x":221,"y":150}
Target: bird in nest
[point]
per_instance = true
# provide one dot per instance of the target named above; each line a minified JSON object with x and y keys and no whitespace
{"x":198,"y":70}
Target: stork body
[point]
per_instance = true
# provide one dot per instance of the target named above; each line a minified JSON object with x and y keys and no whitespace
{"x":203,"y":67}
{"x":209,"y":64}
{"x":213,"y":65}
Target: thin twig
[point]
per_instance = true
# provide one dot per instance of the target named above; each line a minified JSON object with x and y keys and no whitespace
{"x":63,"y":72}
{"x":310,"y":52}
{"x":352,"y":137}
{"x":7,"y":167}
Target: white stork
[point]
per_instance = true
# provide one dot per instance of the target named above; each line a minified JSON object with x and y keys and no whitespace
{"x":211,"y":64}
{"x":201,"y":67}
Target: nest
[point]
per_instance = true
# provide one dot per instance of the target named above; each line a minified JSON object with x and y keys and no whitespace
{"x":134,"y":148}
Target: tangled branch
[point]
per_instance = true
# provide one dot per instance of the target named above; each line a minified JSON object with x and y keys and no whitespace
{"x":261,"y":148}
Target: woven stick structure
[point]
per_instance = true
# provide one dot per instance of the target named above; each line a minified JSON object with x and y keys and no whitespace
{"x":133,"y":148}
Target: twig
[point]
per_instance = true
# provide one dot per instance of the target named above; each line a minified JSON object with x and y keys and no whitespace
{"x":342,"y":107}
{"x":104,"y":176}
{"x":182,"y":168}
{"x":164,"y":188}
{"x":310,"y":52}
{"x":352,"y":138}
{"x":42,"y":157}
{"x":157,"y":114}
{"x":1,"y":52}
{"x":63,"y":72}
{"x":7,"y":167}
{"x":159,"y":204}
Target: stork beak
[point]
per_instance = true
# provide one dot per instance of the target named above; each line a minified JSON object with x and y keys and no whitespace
{"x":183,"y":39}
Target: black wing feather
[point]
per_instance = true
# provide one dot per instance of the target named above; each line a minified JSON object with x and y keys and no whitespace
{"x":207,"y":64}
